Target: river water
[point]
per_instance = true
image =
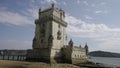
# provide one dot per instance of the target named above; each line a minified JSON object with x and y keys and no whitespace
{"x":106,"y":60}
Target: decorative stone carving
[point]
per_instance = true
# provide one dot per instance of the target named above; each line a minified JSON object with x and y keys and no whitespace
{"x":59,"y":35}
{"x":50,"y":38}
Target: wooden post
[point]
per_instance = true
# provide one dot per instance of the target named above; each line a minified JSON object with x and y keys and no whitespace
{"x":13,"y":57}
{"x":18,"y":57}
{"x":3,"y":57}
{"x":22,"y":57}
{"x":8,"y":57}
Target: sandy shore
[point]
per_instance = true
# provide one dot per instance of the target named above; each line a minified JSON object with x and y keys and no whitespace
{"x":24,"y":64}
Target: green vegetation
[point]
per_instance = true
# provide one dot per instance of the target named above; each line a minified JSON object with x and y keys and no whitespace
{"x":104,"y":54}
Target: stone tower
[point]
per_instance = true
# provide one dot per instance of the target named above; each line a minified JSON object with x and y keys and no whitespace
{"x":50,"y":34}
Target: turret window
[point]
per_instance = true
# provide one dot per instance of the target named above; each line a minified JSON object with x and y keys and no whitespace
{"x":59,"y":26}
{"x":42,"y":41}
{"x":59,"y":35}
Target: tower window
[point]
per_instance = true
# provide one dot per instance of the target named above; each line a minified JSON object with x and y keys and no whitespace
{"x":59,"y":35}
{"x":42,"y":41}
{"x":59,"y":26}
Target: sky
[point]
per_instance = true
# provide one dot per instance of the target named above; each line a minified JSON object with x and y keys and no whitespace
{"x":95,"y":22}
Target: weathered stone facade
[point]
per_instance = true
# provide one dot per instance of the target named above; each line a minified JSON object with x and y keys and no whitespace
{"x":74,"y":54}
{"x":49,"y":43}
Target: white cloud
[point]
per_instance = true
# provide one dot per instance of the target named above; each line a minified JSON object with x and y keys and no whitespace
{"x":101,"y":11}
{"x":50,"y":1}
{"x":85,"y":2}
{"x":54,"y":1}
{"x":98,"y":11}
{"x":72,"y":20}
{"x":109,"y":37}
{"x":14,"y":18}
{"x":78,"y":1}
{"x":110,"y":45}
{"x":93,"y":5}
{"x":64,"y":3}
{"x":103,"y":3}
{"x":81,"y":28}
{"x":33,"y":12}
{"x":88,"y":17}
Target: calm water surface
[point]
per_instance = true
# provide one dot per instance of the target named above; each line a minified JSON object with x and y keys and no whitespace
{"x":106,"y":60}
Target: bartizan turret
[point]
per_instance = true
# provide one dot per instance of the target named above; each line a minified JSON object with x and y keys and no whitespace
{"x":86,"y":48}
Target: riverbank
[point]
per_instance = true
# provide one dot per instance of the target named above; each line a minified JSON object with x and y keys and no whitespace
{"x":24,"y":64}
{"x":97,"y":65}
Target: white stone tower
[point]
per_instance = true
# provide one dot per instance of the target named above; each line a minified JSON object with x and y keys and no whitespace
{"x":50,"y":34}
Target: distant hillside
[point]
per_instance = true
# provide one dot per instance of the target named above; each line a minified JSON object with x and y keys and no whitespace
{"x":104,"y":54}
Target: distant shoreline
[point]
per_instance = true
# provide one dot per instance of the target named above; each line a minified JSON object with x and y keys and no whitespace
{"x":97,"y":65}
{"x":103,"y":57}
{"x":104,"y":54}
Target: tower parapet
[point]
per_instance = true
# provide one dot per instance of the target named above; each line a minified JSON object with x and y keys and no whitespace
{"x":53,"y":13}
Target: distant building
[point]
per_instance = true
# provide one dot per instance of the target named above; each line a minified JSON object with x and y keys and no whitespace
{"x":49,"y":43}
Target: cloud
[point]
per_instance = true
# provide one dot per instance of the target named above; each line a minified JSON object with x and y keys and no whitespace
{"x":108,"y":37}
{"x":14,"y":18}
{"x":53,"y":1}
{"x":93,"y":5}
{"x":78,"y":1}
{"x":100,"y":11}
{"x":49,"y":1}
{"x":103,"y":3}
{"x":64,"y":3}
{"x":33,"y":12}
{"x":88,"y":17}
{"x":83,"y":29}
{"x":110,"y":45}
{"x":72,"y":20}
{"x":85,"y":2}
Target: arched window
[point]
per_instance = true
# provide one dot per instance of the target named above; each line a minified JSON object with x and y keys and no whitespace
{"x":42,"y":41}
{"x":59,"y":26}
{"x":59,"y":35}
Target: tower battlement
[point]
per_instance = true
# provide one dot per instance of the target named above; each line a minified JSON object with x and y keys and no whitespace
{"x":58,"y":14}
